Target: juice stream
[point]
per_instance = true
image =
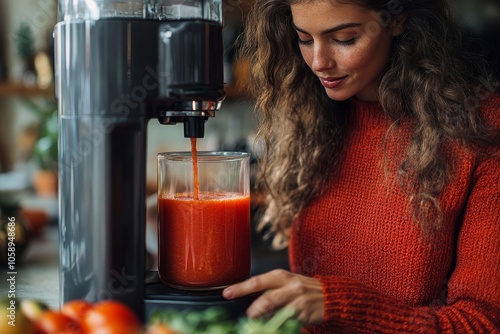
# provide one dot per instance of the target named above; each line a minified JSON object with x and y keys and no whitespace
{"x":195,"y":169}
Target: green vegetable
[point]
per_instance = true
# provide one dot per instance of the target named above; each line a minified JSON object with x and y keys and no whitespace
{"x":212,"y":320}
{"x":215,"y":320}
{"x":283,"y":322}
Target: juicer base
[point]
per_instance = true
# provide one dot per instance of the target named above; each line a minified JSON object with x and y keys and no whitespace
{"x":162,"y":297}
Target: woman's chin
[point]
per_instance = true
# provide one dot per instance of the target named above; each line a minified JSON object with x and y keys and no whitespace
{"x":336,"y":95}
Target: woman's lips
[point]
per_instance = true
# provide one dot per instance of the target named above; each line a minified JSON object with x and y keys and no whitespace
{"x":331,"y":82}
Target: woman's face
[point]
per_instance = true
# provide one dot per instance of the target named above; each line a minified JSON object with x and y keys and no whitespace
{"x":345,"y":45}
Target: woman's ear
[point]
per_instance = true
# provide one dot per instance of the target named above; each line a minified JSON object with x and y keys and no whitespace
{"x":397,"y":25}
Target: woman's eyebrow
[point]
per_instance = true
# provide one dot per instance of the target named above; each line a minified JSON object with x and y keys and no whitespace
{"x":329,"y":30}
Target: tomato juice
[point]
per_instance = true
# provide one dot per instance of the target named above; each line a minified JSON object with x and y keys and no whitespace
{"x":205,"y":243}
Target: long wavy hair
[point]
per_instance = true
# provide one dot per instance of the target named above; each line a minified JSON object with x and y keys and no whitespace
{"x":302,"y":129}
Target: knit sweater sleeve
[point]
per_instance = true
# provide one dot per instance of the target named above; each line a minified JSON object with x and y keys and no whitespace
{"x":471,"y":301}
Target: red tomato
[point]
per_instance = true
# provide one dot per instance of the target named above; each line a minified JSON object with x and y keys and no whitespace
{"x":51,"y":322}
{"x":76,"y":309}
{"x":116,"y":328}
{"x":111,"y":317}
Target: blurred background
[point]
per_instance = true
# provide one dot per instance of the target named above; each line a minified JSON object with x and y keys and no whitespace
{"x":28,"y":117}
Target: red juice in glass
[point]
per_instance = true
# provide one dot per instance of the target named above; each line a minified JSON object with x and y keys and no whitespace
{"x":204,"y":243}
{"x":208,"y":239}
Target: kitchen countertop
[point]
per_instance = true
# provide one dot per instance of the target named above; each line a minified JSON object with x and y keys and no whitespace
{"x":36,"y":274}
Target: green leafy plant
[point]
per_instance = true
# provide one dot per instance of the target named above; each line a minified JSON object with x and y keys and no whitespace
{"x":45,"y":152}
{"x":24,"y":41}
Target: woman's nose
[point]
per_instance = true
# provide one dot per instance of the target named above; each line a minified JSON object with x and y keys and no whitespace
{"x":322,"y":58}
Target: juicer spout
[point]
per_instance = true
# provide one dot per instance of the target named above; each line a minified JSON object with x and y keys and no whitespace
{"x":194,"y":123}
{"x":194,"y":127}
{"x":193,"y":114}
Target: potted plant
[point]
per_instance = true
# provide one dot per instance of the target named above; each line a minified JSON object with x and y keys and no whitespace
{"x":24,"y":43}
{"x":45,"y":152}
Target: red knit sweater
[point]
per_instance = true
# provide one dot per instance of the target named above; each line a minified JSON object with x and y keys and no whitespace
{"x":379,"y":273}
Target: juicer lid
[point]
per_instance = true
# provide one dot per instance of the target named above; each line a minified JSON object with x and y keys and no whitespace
{"x":70,"y":10}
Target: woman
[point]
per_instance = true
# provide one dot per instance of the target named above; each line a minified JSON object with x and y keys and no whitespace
{"x":382,"y":167}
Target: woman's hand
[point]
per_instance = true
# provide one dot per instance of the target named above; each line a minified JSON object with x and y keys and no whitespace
{"x":282,"y":289}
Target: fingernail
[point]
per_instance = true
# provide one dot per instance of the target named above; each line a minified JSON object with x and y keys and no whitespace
{"x":227,"y":293}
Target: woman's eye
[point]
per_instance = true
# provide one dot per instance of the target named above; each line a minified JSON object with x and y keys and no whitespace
{"x":305,"y":42}
{"x":346,"y":42}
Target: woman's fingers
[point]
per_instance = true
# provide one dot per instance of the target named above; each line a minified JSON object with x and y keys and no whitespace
{"x":282,"y":289}
{"x":302,"y":294}
{"x":272,"y":300}
{"x":259,"y":283}
{"x":310,"y":306}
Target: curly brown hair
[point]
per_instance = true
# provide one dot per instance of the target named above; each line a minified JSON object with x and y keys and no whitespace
{"x":302,"y":129}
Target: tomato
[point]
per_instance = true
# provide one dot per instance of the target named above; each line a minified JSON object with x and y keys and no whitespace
{"x":111,"y":317}
{"x":115,"y":328}
{"x":76,"y":309}
{"x":51,"y":322}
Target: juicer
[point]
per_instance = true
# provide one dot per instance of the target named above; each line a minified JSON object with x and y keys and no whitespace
{"x":119,"y":64}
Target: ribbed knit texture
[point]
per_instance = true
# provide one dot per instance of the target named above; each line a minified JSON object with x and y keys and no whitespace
{"x":379,"y":273}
